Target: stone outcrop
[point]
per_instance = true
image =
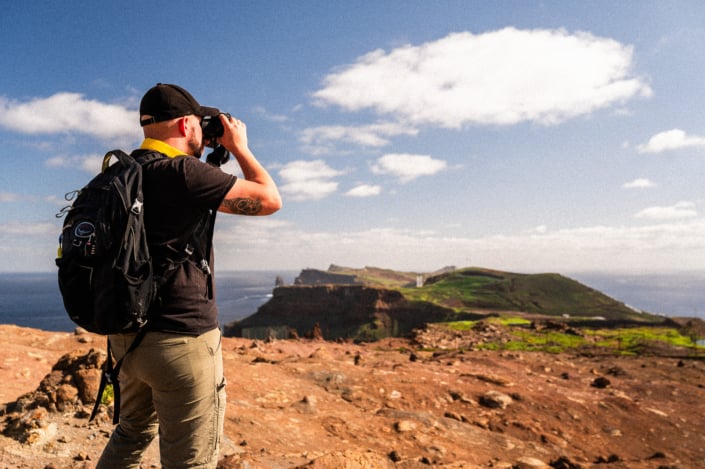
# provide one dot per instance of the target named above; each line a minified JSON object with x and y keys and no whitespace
{"x":342,"y":312}
{"x":72,"y":383}
{"x":319,"y":277}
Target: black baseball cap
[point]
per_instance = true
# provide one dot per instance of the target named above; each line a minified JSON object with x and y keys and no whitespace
{"x":164,"y":102}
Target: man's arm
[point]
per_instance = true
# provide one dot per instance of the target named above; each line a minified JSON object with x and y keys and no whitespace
{"x":256,"y":193}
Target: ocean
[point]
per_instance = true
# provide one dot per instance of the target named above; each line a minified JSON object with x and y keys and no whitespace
{"x":665,"y":293}
{"x":33,"y":299}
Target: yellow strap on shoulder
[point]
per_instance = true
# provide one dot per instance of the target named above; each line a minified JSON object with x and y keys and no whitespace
{"x":106,"y":161}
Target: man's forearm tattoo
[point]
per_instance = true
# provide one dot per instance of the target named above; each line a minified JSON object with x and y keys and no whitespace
{"x":242,"y":206}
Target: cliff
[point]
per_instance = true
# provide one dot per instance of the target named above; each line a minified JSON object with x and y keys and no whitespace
{"x":373,"y":303}
{"x":319,"y":277}
{"x":337,"y":311}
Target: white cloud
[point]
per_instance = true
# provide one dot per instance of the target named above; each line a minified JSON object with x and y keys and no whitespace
{"x":8,"y":197}
{"x":540,"y":229}
{"x":88,"y":163}
{"x":407,"y":167}
{"x":56,"y":201}
{"x":500,"y":77}
{"x":28,"y":229}
{"x":639,"y":183}
{"x":364,"y":190}
{"x":673,"y":139}
{"x":683,"y":209}
{"x":258,"y":230}
{"x":663,"y":247}
{"x":307,"y":180}
{"x":69,"y":112}
{"x":373,"y":135}
{"x":253,"y":242}
{"x":261,"y":111}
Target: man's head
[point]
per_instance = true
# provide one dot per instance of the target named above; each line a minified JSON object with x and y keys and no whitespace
{"x":165,"y":102}
{"x":170,"y":113}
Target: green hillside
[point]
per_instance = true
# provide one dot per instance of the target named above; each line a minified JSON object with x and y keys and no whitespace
{"x":484,"y":290}
{"x":372,"y":303}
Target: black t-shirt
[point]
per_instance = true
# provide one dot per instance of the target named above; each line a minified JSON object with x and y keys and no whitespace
{"x":179,"y":195}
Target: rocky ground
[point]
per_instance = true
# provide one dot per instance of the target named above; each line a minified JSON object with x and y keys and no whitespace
{"x":390,"y":404}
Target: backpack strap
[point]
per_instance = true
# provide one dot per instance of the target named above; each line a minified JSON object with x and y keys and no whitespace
{"x":122,"y":157}
{"x":199,"y":242}
{"x":206,"y":259}
{"x":110,"y":375}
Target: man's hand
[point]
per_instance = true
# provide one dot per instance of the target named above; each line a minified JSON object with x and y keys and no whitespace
{"x":234,"y":137}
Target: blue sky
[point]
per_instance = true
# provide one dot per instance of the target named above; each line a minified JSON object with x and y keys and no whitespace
{"x":516,"y":135}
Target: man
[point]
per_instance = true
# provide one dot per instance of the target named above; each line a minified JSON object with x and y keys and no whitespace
{"x":172,"y":383}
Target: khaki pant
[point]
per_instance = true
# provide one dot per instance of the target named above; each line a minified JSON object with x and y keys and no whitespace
{"x":174,"y":385}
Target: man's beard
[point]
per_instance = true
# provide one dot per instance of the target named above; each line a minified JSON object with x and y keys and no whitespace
{"x":196,"y":147}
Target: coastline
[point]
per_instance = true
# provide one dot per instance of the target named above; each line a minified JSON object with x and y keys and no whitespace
{"x":33,"y":299}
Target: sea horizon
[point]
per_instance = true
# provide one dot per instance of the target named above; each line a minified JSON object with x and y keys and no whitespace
{"x":32,"y":299}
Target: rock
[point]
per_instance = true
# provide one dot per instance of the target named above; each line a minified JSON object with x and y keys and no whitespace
{"x":87,"y":382}
{"x":31,"y":427}
{"x":315,"y":333}
{"x":531,"y":463}
{"x":612,"y":458}
{"x":600,"y":382}
{"x":307,"y":405}
{"x":66,"y":397}
{"x":404,"y":426}
{"x":85,"y":339}
{"x":82,"y":456}
{"x":395,"y":394}
{"x":72,"y":382}
{"x":616,"y":371}
{"x":460,"y":396}
{"x":350,"y":459}
{"x":495,"y":400}
{"x":330,"y":381}
{"x":358,"y":359}
{"x":564,"y":463}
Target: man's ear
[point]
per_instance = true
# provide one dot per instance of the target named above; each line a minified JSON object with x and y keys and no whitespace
{"x":183,"y":126}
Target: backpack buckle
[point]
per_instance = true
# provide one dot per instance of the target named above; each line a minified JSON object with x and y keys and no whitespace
{"x":205,"y":267}
{"x":136,"y":207}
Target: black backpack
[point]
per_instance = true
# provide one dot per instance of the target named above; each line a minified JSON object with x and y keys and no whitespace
{"x":106,"y":277}
{"x":105,"y":271}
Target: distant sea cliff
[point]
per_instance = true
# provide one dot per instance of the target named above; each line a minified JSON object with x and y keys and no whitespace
{"x":372,"y":303}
